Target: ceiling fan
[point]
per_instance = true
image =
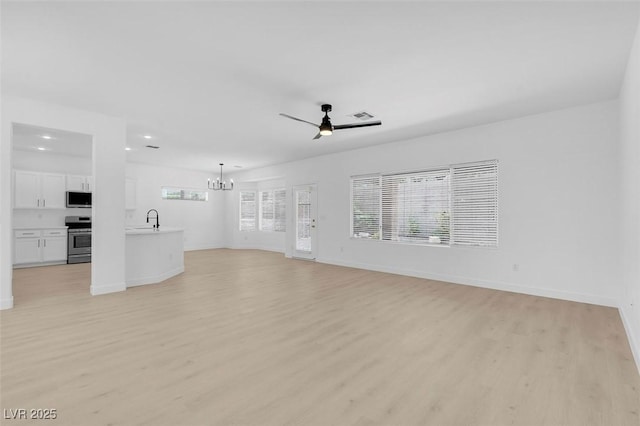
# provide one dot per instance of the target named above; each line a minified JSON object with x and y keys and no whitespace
{"x":326,"y":128}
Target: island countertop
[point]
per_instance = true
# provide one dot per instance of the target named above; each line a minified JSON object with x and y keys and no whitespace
{"x":134,"y":230}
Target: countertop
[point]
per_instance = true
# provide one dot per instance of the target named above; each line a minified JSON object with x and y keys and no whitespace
{"x":21,"y":228}
{"x":139,"y":230}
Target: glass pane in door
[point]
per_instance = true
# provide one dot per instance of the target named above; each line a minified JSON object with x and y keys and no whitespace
{"x":303,"y":220}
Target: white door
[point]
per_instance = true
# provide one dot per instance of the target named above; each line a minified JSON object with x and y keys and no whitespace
{"x":305,"y":205}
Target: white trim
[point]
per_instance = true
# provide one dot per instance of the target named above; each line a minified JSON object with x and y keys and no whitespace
{"x":155,"y":279}
{"x":494,"y":285}
{"x":256,"y":247}
{"x":204,"y":247}
{"x":106,"y":289}
{"x":633,"y":343}
{"x":6,"y":303}
{"x":37,"y":264}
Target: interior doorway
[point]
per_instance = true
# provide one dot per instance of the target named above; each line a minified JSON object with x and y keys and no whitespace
{"x":305,"y":202}
{"x":52,"y":187}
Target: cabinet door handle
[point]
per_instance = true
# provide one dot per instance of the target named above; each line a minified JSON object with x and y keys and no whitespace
{"x":44,"y":203}
{"x":38,"y":202}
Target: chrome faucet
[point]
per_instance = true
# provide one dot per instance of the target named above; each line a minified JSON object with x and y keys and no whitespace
{"x":156,"y":227}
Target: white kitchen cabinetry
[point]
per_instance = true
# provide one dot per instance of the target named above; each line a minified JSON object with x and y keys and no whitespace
{"x":40,"y":246}
{"x":130,"y":194}
{"x":33,"y":190}
{"x":79,"y":183}
{"x":26,"y":249}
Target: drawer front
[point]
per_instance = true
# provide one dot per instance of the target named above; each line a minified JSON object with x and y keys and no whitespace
{"x":54,"y":233}
{"x":28,"y":233}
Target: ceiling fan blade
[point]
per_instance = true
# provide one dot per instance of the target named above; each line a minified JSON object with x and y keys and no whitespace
{"x":354,"y":125}
{"x":318,"y":136}
{"x":298,"y":119}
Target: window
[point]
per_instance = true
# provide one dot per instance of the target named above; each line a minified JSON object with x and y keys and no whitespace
{"x":415,"y":207}
{"x":365,"y":207}
{"x":457,"y":205}
{"x":266,"y":211}
{"x":170,"y":193}
{"x":475,"y":204}
{"x":280,"y":210}
{"x":247,"y":211}
{"x":273,"y":210}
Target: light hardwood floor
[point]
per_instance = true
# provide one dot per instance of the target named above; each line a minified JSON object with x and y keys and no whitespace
{"x":250,"y":337}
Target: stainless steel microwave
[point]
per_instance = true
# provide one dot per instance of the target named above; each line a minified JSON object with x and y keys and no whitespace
{"x":78,"y":199}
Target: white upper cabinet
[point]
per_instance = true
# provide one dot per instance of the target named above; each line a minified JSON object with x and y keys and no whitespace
{"x":34,"y":190}
{"x":53,"y":191}
{"x":79,"y":183}
{"x":26,"y":190}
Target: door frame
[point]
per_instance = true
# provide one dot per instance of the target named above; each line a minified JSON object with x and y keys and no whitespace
{"x":313,"y":199}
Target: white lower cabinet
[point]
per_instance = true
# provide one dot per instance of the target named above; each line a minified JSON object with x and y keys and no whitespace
{"x":26,"y":250}
{"x":40,"y":246}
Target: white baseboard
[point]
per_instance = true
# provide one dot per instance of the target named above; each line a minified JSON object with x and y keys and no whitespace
{"x":155,"y":279}
{"x":494,"y":285}
{"x":6,"y":303}
{"x":38,"y":264}
{"x":632,"y":335}
{"x":252,"y":247}
{"x":106,"y":289}
{"x":204,"y":247}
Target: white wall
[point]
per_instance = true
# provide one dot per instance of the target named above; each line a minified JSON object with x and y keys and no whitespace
{"x":630,"y":198}
{"x":109,"y":136}
{"x":204,"y":223}
{"x":557,"y":195}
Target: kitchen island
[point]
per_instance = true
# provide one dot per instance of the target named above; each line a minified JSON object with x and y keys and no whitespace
{"x":153,"y":256}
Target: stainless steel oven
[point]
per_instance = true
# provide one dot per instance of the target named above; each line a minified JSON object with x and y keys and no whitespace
{"x":79,"y":234}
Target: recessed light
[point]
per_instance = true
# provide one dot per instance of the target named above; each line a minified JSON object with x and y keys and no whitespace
{"x":46,"y":137}
{"x":148,"y":137}
{"x":41,"y":148}
{"x":127,"y":149}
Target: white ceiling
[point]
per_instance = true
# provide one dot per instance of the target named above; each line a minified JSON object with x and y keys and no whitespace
{"x":51,"y":141}
{"x":208,"y":79}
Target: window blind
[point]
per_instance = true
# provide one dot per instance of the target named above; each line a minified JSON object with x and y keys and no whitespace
{"x":415,"y":207}
{"x":474,"y":203}
{"x":266,"y":211}
{"x":247,"y":211}
{"x":365,"y":207}
{"x":280,"y":210}
{"x":273,"y":207}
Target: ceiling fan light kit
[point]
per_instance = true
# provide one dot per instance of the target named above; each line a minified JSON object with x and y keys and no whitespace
{"x":326,"y":128}
{"x":219,"y":184}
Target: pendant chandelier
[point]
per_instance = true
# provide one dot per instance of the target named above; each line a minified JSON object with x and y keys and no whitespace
{"x":219,"y":184}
